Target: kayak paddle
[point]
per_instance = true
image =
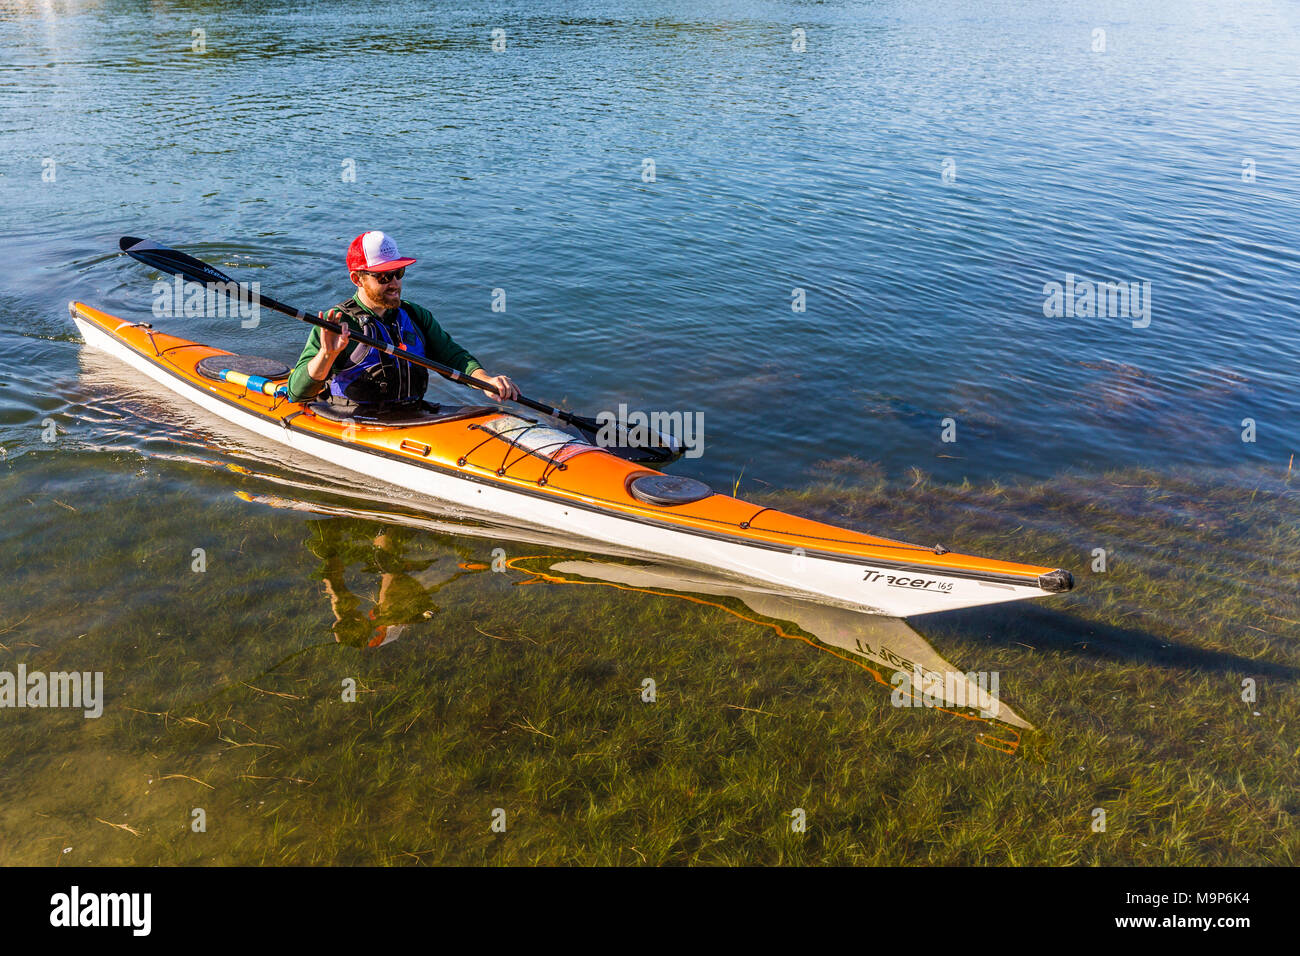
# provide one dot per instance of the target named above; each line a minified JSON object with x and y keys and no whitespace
{"x":658,"y":450}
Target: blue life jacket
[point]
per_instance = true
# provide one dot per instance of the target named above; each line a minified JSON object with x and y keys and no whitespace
{"x":366,"y":376}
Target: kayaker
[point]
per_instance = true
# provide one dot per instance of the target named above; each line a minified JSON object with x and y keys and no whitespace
{"x":366,"y":378}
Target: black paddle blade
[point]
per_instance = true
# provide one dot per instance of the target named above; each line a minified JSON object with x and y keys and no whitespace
{"x":169,"y":260}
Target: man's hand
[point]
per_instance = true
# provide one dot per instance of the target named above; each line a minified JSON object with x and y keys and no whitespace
{"x":331,"y":346}
{"x":505,"y":388}
{"x":333,"y":343}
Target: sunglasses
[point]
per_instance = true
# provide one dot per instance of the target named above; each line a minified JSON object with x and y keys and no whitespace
{"x":383,"y":278}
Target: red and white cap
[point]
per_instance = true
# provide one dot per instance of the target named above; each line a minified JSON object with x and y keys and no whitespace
{"x":375,"y":252}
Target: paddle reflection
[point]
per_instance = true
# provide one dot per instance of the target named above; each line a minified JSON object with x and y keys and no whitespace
{"x":408,"y":579}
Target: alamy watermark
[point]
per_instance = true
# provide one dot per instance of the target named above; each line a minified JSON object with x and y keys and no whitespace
{"x":75,"y":908}
{"x":1083,"y":298}
{"x":977,"y":690}
{"x":624,"y":428}
{"x":76,"y":689}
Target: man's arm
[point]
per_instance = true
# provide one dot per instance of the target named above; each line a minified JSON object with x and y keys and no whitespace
{"x":317,"y":358}
{"x":302,"y":384}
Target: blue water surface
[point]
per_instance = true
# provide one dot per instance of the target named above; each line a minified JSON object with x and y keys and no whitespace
{"x":921,"y":171}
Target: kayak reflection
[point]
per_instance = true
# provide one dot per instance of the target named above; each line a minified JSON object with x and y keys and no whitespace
{"x":916,"y":674}
{"x":888,"y":649}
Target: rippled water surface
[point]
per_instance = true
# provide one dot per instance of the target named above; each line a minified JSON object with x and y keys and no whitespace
{"x":823,"y":171}
{"x":832,"y":229}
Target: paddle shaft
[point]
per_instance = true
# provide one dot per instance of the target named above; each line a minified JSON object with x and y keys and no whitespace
{"x":443,"y":370}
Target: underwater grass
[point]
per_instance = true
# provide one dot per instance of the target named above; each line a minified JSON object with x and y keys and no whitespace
{"x":513,"y":694}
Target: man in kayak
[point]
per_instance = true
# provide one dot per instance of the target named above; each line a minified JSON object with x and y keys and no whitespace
{"x":366,"y":378}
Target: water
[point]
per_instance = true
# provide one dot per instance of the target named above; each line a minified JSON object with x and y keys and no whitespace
{"x":522,"y":171}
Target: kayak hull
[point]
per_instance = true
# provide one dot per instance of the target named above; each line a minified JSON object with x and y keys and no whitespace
{"x":587,"y":496}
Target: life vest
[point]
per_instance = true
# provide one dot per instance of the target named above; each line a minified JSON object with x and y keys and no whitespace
{"x":366,"y":376}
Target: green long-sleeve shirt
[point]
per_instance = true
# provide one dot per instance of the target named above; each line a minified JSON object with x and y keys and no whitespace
{"x":438,"y":345}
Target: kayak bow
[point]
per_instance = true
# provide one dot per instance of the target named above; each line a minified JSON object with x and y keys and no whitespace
{"x":497,"y":463}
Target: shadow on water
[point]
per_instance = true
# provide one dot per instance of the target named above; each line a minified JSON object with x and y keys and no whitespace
{"x":1044,"y":629}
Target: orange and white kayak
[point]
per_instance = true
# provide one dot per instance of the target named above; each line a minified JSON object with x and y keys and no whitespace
{"x":493,"y":462}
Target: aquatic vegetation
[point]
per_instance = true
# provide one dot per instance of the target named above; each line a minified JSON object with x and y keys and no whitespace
{"x":227,"y":690}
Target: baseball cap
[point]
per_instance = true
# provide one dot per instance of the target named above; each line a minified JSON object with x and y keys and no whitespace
{"x":375,"y":252}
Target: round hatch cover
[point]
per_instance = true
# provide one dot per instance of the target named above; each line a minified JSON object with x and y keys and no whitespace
{"x":668,"y":489}
{"x":213,"y":365}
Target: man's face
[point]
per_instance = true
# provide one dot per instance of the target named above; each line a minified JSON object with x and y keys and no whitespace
{"x":386,"y":293}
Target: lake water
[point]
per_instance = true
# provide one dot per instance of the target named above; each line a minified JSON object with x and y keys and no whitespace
{"x":831,"y":229}
{"x":774,"y":170}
